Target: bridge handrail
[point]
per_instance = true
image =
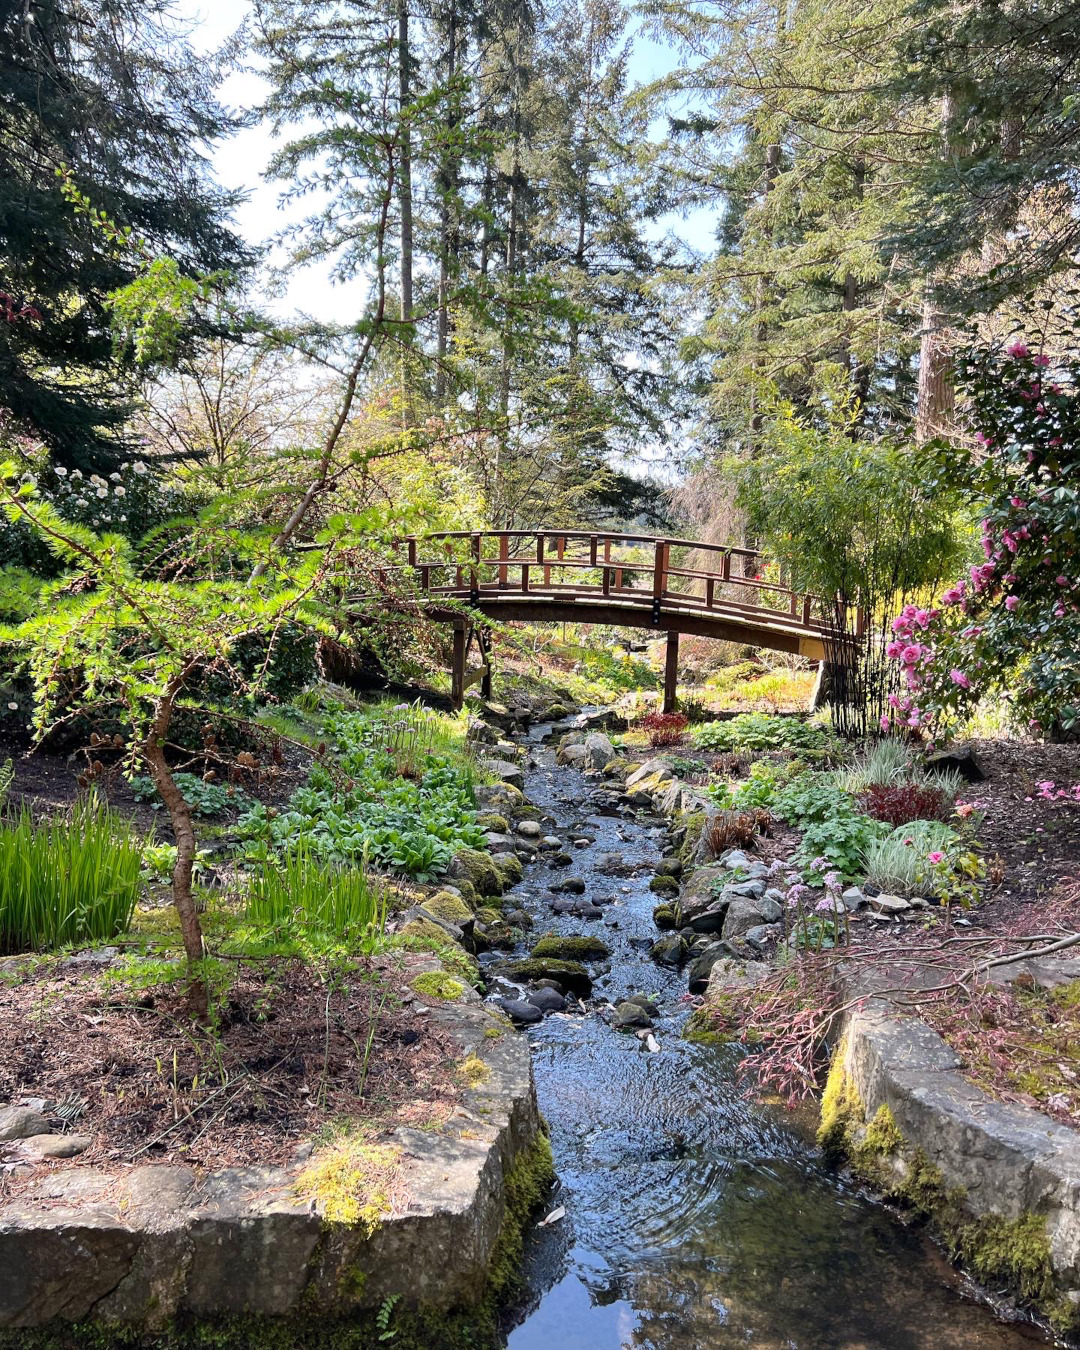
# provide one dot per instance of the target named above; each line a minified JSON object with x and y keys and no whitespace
{"x":549,"y":554}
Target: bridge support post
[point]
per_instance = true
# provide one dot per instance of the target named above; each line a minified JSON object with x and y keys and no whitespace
{"x":457,"y":668}
{"x":671,"y":672}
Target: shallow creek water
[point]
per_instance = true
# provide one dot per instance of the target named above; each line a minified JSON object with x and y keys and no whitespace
{"x":695,"y":1218}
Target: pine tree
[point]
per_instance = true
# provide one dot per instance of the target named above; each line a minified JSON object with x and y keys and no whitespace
{"x":113,"y":91}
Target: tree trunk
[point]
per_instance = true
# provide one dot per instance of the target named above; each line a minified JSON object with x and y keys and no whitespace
{"x":405,"y":176}
{"x":153,"y":752}
{"x":448,"y":180}
{"x":936,"y":397}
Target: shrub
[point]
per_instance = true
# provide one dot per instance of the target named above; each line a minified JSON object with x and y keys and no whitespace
{"x":760,"y":731}
{"x":900,"y":803}
{"x":67,"y":881}
{"x":664,"y":728}
{"x":299,"y":892}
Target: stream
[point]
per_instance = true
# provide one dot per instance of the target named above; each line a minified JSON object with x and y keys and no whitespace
{"x":694,"y":1217}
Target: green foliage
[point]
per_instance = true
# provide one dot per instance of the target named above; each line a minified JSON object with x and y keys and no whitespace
{"x":69,"y":880}
{"x":160,"y":859}
{"x":205,"y":799}
{"x":413,"y":826}
{"x":1012,"y":626}
{"x":298,"y":892}
{"x":760,"y":731}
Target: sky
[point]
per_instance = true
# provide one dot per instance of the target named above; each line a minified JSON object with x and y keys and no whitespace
{"x":239,"y":162}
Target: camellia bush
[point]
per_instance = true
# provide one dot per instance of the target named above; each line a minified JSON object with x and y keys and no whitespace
{"x":1011,"y":626}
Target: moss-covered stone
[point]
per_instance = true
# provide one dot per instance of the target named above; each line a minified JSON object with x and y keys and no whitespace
{"x":841,"y":1106}
{"x":510,"y":869}
{"x":664,"y":916}
{"x":474,"y":1326}
{"x":437,"y":984}
{"x":584,"y":947}
{"x":664,"y":885}
{"x":446,"y":905}
{"x":491,"y":820}
{"x":693,"y":825}
{"x":570,"y":975}
{"x":469,"y":864}
{"x":425,"y":931}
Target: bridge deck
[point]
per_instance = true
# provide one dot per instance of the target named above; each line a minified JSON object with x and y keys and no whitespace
{"x":624,"y":580}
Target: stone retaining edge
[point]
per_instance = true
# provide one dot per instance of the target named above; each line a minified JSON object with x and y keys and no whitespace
{"x":142,"y":1247}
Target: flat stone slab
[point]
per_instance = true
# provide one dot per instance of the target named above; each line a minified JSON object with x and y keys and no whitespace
{"x":146,"y":1244}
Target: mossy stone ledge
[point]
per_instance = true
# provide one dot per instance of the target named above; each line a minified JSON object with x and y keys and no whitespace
{"x":294,"y":1257}
{"x":996,"y":1181}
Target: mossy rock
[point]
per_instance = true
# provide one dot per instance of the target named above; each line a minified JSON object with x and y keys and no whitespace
{"x":469,"y":864}
{"x":619,"y":767}
{"x":446,"y":905}
{"x":472,"y":1327}
{"x":555,"y":713}
{"x":693,"y":825}
{"x":426,"y":930}
{"x":664,"y":916}
{"x":489,"y":914}
{"x":664,"y":885}
{"x":510,"y":869}
{"x":570,"y":975}
{"x":437,"y":984}
{"x":528,"y":813}
{"x":491,"y":820}
{"x":504,"y":796}
{"x":583,"y":947}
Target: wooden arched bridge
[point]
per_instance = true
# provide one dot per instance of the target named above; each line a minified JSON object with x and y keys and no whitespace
{"x":623,"y":580}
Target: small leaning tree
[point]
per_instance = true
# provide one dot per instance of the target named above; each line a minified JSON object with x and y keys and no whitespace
{"x":114,"y":637}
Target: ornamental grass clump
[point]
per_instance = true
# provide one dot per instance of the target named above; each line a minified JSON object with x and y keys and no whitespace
{"x":75,"y":879}
{"x":298,"y":892}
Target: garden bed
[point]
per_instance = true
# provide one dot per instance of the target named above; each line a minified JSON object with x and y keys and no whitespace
{"x":291,"y":1047}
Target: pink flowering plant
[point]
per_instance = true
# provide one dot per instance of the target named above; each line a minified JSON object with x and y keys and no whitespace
{"x":1011,"y":625}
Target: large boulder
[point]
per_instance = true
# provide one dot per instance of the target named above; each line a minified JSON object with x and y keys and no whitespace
{"x":477,"y":868}
{"x":701,"y":890}
{"x":599,"y":752}
{"x":670,"y":951}
{"x":499,"y":795}
{"x":744,"y":914}
{"x":729,"y":972}
{"x":653,"y":769}
{"x":700,"y":968}
{"x":505,"y":772}
{"x":959,"y":760}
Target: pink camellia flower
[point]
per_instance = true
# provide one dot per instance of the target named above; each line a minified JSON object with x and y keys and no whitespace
{"x":1017,"y":349}
{"x":885,"y":723}
{"x":1041,"y":360}
{"x":1059,"y":611}
{"x":984,"y":440}
{"x":893,"y":649}
{"x":958,"y":677}
{"x":1010,"y":578}
{"x":964,"y":809}
{"x":1011,"y":601}
{"x":1018,"y":502}
{"x":1062,"y":581}
{"x":934,"y":857}
{"x":922,"y":618}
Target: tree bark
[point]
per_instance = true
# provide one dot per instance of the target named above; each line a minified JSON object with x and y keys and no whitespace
{"x":405,"y":174}
{"x":448,"y":182}
{"x":153,"y":752}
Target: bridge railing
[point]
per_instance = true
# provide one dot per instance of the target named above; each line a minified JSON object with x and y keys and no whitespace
{"x":633,"y":569}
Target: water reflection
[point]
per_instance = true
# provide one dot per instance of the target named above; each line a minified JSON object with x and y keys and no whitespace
{"x":695,"y":1219}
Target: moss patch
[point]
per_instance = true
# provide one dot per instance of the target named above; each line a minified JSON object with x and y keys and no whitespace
{"x":446,"y":905}
{"x":469,"y":864}
{"x":510,"y":869}
{"x":664,"y":916}
{"x":437,"y":984}
{"x":841,"y":1106}
{"x":1017,"y":1254}
{"x":350,"y":1181}
{"x":570,"y":975}
{"x":491,"y":820}
{"x":576,"y":948}
{"x":474,"y":1071}
{"x":664,"y":885}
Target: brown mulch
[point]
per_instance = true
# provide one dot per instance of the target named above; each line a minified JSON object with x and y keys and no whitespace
{"x":284,"y":1060}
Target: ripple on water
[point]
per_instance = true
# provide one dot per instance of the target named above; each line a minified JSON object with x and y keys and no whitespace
{"x":695,"y":1218}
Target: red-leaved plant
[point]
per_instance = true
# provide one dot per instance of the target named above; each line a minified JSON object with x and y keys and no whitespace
{"x":901,"y":803}
{"x":664,"y":728}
